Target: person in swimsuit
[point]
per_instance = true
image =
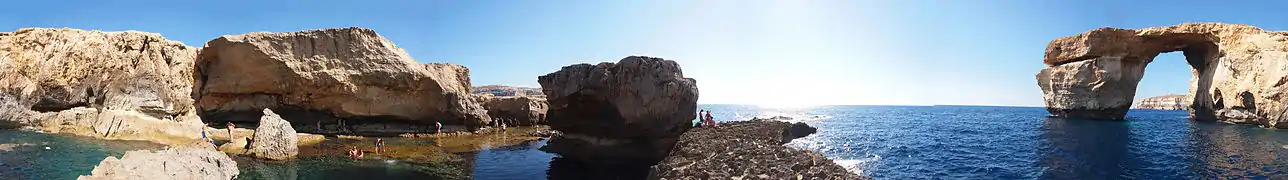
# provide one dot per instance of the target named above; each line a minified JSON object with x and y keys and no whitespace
{"x":438,"y":127}
{"x":380,"y":145}
{"x":230,"y":130}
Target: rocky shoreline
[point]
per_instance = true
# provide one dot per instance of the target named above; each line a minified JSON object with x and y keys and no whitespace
{"x":314,"y":92}
{"x":750,"y":149}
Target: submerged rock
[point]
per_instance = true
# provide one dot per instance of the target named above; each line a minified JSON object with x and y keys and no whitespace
{"x":183,"y":163}
{"x":1165,"y":102}
{"x":747,"y":150}
{"x":329,"y":75}
{"x":630,"y":111}
{"x":274,"y":138}
{"x":111,"y":85}
{"x":1238,"y":73}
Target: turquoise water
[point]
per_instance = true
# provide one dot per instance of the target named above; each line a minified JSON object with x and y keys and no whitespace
{"x":330,"y":168}
{"x":33,"y":155}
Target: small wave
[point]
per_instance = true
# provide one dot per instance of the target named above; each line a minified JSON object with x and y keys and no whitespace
{"x":856,"y":166}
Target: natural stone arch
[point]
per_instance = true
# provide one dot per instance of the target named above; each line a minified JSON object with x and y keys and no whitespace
{"x":1239,"y":71}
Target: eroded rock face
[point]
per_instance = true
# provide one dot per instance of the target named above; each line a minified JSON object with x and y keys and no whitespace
{"x":516,"y":110}
{"x":349,"y":74}
{"x":1239,"y":71}
{"x":1165,"y":102}
{"x":112,"y":85}
{"x":632,"y":110}
{"x":274,"y":138}
{"x":747,"y":150}
{"x":182,"y":163}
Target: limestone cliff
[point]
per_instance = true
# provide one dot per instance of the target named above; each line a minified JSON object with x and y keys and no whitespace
{"x":1165,"y":102}
{"x":1240,"y":71}
{"x":112,"y":85}
{"x":629,"y":111}
{"x":345,"y":76}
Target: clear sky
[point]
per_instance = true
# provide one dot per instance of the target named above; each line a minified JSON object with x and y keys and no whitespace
{"x":904,"y":52}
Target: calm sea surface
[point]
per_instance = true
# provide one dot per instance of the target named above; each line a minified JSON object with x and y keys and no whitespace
{"x":885,"y":142}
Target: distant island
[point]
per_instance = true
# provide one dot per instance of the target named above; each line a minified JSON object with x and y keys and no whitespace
{"x":1164,"y":102}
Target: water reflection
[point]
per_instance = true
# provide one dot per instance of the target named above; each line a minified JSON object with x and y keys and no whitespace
{"x":1084,"y":149}
{"x":561,"y":168}
{"x":1236,"y":151}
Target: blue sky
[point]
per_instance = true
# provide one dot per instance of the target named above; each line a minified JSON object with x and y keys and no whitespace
{"x":740,"y":51}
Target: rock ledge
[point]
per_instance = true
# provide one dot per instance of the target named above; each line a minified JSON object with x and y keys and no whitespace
{"x":747,"y":150}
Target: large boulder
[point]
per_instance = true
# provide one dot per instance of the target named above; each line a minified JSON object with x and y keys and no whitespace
{"x":629,"y":111}
{"x":747,"y":150}
{"x":1239,"y":74}
{"x":515,"y":110}
{"x":113,"y":85}
{"x":274,"y":138}
{"x":182,"y":163}
{"x":329,"y":75}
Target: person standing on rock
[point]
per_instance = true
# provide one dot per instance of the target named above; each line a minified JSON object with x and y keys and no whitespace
{"x":438,"y":127}
{"x":230,"y":130}
{"x":710,"y":120}
{"x":702,"y":120}
{"x":380,"y":145}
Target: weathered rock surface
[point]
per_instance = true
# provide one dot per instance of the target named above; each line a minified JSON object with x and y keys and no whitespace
{"x":1239,"y":71}
{"x":112,"y":85}
{"x":329,"y":75}
{"x":1165,"y":102}
{"x":274,"y":138}
{"x":629,"y":111}
{"x":747,"y":150}
{"x":515,"y":110}
{"x":182,"y":163}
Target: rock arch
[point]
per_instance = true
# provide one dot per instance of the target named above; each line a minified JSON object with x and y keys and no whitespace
{"x":1239,"y":71}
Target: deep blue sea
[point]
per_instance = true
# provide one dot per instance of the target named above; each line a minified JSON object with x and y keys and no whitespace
{"x":884,"y":142}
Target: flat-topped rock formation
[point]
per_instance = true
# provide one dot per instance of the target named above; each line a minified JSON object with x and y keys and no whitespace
{"x":629,"y":111}
{"x":1165,"y":102}
{"x":1238,"y":71}
{"x":747,"y":150}
{"x":339,"y":78}
{"x":111,"y":85}
{"x":180,"y":163}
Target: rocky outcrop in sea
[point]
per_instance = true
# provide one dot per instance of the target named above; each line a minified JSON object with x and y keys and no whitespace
{"x":629,"y":111}
{"x":180,"y":163}
{"x":1165,"y":102}
{"x":339,"y":78}
{"x":1237,"y":79}
{"x":747,"y":150}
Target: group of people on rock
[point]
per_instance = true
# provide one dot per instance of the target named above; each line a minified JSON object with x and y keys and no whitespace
{"x":705,"y":119}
